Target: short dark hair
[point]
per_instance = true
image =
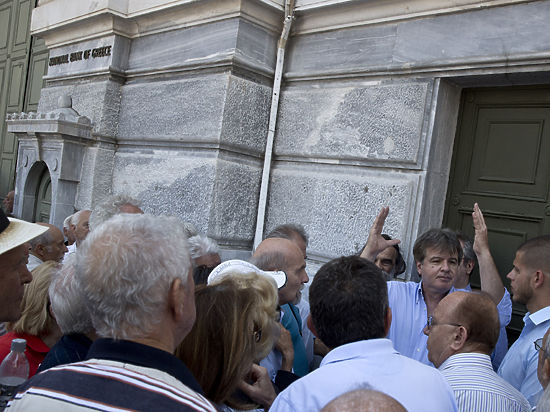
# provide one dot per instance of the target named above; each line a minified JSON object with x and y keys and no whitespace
{"x":288,"y":231}
{"x":400,"y":265}
{"x":467,"y":247}
{"x":440,"y":239}
{"x":536,"y":253}
{"x":348,"y":299}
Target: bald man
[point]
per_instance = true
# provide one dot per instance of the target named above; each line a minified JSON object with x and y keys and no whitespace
{"x":462,"y":333}
{"x":275,"y":254}
{"x":364,"y":400}
{"x":283,"y":254}
{"x":48,"y":246}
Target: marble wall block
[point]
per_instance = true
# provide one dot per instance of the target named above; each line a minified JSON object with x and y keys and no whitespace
{"x":337,"y":205}
{"x":98,"y":100}
{"x":205,"y":44}
{"x":379,"y":123}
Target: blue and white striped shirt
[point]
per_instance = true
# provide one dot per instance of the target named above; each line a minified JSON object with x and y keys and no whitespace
{"x":478,"y":388}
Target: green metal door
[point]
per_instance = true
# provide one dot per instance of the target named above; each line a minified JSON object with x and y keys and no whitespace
{"x":23,"y":63}
{"x":500,"y":160}
{"x":43,"y":203}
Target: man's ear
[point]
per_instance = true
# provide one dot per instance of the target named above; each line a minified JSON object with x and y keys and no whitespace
{"x":419,"y":268}
{"x":176,"y":298}
{"x":39,"y":250}
{"x":460,"y":336}
{"x":469,"y":267}
{"x":538,"y":279}
{"x":311,"y":326}
{"x":387,"y":321}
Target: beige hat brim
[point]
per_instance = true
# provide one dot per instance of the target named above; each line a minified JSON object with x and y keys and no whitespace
{"x":19,"y":232}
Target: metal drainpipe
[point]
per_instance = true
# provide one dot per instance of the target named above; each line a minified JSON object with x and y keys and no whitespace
{"x":281,"y":46}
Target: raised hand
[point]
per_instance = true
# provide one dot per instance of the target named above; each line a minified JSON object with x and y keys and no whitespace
{"x":258,"y":386}
{"x":481,"y":238}
{"x":376,"y":243}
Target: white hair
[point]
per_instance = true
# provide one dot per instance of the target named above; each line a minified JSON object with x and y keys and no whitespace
{"x":66,"y":300}
{"x":544,"y":401}
{"x":201,"y":245}
{"x":67,"y":222}
{"x":125,"y":269}
{"x":110,"y":207}
{"x":75,"y":219}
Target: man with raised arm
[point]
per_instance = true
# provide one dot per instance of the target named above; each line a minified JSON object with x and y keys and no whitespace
{"x":437,"y":254}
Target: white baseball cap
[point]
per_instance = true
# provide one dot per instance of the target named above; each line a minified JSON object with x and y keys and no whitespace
{"x":235,"y":266}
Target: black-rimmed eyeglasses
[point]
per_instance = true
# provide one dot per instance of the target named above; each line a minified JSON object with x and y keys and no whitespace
{"x":431,"y":323}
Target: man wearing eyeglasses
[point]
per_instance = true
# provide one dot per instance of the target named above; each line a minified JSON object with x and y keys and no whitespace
{"x":530,"y":285}
{"x":437,"y":253}
{"x":462,"y":333}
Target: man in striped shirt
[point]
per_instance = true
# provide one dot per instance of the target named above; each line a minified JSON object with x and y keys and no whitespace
{"x":135,"y":277}
{"x":462,"y":333}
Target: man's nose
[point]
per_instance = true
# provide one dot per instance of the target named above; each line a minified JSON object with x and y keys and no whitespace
{"x":25,"y":275}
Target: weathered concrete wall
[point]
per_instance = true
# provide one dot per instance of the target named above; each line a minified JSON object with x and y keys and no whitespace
{"x":367,"y":114}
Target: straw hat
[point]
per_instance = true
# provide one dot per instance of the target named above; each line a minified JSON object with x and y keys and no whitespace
{"x":15,"y":232}
{"x":235,"y":266}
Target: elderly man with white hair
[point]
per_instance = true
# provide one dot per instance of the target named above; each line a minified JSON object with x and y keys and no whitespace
{"x":206,"y":256}
{"x":71,"y":316}
{"x":135,"y":277}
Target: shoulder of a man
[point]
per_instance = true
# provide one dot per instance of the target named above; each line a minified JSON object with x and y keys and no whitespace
{"x":89,"y":384}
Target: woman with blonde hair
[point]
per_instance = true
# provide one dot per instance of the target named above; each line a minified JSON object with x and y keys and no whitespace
{"x":235,"y":328}
{"x":36,"y":324}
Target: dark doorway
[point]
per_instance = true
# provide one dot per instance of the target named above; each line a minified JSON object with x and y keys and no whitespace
{"x":501,"y":161}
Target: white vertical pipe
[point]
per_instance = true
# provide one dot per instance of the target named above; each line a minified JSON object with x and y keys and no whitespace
{"x":281,"y":46}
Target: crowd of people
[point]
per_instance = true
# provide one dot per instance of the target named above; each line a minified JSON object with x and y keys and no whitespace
{"x":123,"y":310}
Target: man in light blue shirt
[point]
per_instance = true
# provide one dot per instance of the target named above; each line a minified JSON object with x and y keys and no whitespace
{"x":461,"y":334}
{"x":530,"y":285}
{"x":350,"y":314}
{"x":437,"y":253}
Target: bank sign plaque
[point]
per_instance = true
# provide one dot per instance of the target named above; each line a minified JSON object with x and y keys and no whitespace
{"x":88,"y":58}
{"x":80,"y":55}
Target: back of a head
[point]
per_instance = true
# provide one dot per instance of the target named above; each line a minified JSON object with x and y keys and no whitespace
{"x":35,"y":317}
{"x":437,"y":239}
{"x":478,"y":313}
{"x":111,"y":207}
{"x":66,"y":301}
{"x":125,"y":269}
{"x":348,"y":299}
{"x":200,"y":245}
{"x":364,"y":400}
{"x":67,"y":222}
{"x":289,"y":231}
{"x":536,"y":253}
{"x":235,"y":327}
{"x":467,"y":248}
{"x":44,"y":239}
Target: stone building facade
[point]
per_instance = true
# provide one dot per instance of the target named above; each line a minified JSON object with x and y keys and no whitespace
{"x":179,"y":94}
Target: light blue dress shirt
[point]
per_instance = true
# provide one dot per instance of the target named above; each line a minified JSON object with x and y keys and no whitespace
{"x":478,"y":388}
{"x":519,"y":366}
{"x":373,"y":364}
{"x":410,"y":314}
